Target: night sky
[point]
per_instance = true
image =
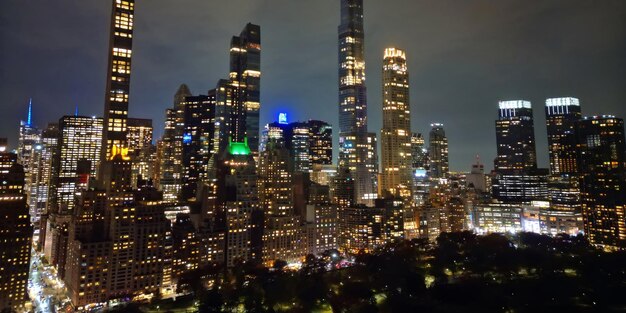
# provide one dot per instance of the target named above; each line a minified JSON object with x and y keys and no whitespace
{"x":463,"y":57}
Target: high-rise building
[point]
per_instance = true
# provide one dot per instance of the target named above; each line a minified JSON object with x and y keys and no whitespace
{"x":141,"y":149}
{"x":396,"y":132}
{"x":245,"y":75}
{"x":309,"y":143}
{"x":28,"y":141}
{"x":476,"y":178}
{"x":170,"y":155}
{"x":198,"y":130}
{"x":74,"y":167}
{"x":118,"y":77}
{"x":79,"y":144}
{"x":282,"y":235}
{"x":562,"y":114}
{"x":355,"y":144}
{"x":601,"y":146}
{"x":43,"y":157}
{"x":15,"y":235}
{"x":515,"y":136}
{"x":438,"y":152}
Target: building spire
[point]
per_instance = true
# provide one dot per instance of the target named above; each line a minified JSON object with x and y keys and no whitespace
{"x":76,"y":110}
{"x":29,"y":119}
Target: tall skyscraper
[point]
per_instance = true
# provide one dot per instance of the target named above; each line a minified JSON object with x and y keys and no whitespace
{"x":355,"y":144}
{"x":438,"y":152}
{"x":170,"y":165}
{"x":15,"y":235}
{"x":245,"y":75}
{"x":118,"y":77}
{"x":515,"y":136}
{"x":140,"y":149}
{"x":396,"y":132}
{"x":601,"y":146}
{"x":79,"y":144}
{"x":562,"y":114}
{"x":198,"y":130}
{"x":28,"y":140}
{"x":43,"y":166}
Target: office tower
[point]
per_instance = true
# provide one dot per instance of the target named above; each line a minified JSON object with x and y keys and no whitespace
{"x":521,"y":187}
{"x":197,"y":149}
{"x":515,"y":136}
{"x":419,"y":153}
{"x":79,"y":141}
{"x":282,"y":237}
{"x":140,"y":150}
{"x":15,"y":235}
{"x":43,"y":169}
{"x":245,"y":75}
{"x":355,"y":144}
{"x":170,"y":164}
{"x":118,"y":77}
{"x":309,"y":143}
{"x":476,"y":179}
{"x":562,"y":114}
{"x":603,"y":183}
{"x":342,"y":189}
{"x":396,"y":132}
{"x":420,"y":169}
{"x":28,"y":140}
{"x":438,"y":152}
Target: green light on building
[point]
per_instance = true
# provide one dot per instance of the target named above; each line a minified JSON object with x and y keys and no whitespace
{"x":239,"y":148}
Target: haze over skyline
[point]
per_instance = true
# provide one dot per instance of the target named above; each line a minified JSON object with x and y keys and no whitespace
{"x":463,"y":58}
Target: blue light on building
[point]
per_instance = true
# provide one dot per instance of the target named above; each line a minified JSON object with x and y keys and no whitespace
{"x":282,"y":118}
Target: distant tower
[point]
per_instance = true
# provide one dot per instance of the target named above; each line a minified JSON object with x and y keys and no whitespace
{"x":118,"y":77}
{"x":245,"y":74}
{"x":603,"y":183}
{"x":515,"y":135}
{"x":357,"y":147}
{"x":29,"y":138}
{"x":438,"y":152}
{"x":476,"y":177}
{"x":396,"y":131}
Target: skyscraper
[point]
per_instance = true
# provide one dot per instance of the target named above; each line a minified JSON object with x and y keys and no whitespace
{"x":357,"y":146}
{"x":245,"y":75}
{"x":515,"y":136}
{"x":118,"y":77}
{"x":562,"y":114}
{"x":140,"y":149}
{"x":438,"y":152}
{"x":28,"y":140}
{"x":601,"y":146}
{"x":396,"y":132}
{"x":15,"y":235}
{"x":79,"y":143}
{"x":43,"y":157}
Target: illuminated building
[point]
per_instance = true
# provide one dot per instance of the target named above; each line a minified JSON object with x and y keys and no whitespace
{"x":396,"y":132}
{"x":438,"y":152}
{"x":321,"y":220}
{"x":603,"y":183}
{"x":562,"y":114}
{"x":141,"y":149}
{"x":28,"y":141}
{"x":522,"y":187}
{"x":117,"y":239}
{"x":361,"y":228}
{"x":342,"y":189}
{"x":420,"y":168}
{"x":515,"y":136}
{"x":357,"y":147}
{"x":197,"y":149}
{"x":323,"y":174}
{"x":3,"y":144}
{"x":419,"y":153}
{"x":44,"y":156}
{"x":282,"y":237}
{"x":497,"y":218}
{"x":245,"y":74}
{"x":15,"y":235}
{"x":79,"y":142}
{"x":170,"y":154}
{"x":118,"y":76}
{"x":231,"y":204}
{"x":310,"y":143}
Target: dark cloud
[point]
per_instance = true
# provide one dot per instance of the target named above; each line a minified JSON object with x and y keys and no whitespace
{"x":463,"y":56}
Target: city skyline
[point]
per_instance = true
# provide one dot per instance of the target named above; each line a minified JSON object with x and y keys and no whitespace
{"x":462,"y":72}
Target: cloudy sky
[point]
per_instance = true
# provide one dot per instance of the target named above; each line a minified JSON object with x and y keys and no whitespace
{"x":464,"y":56}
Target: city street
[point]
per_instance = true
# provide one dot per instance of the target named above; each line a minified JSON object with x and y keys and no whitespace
{"x":48,"y":294}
